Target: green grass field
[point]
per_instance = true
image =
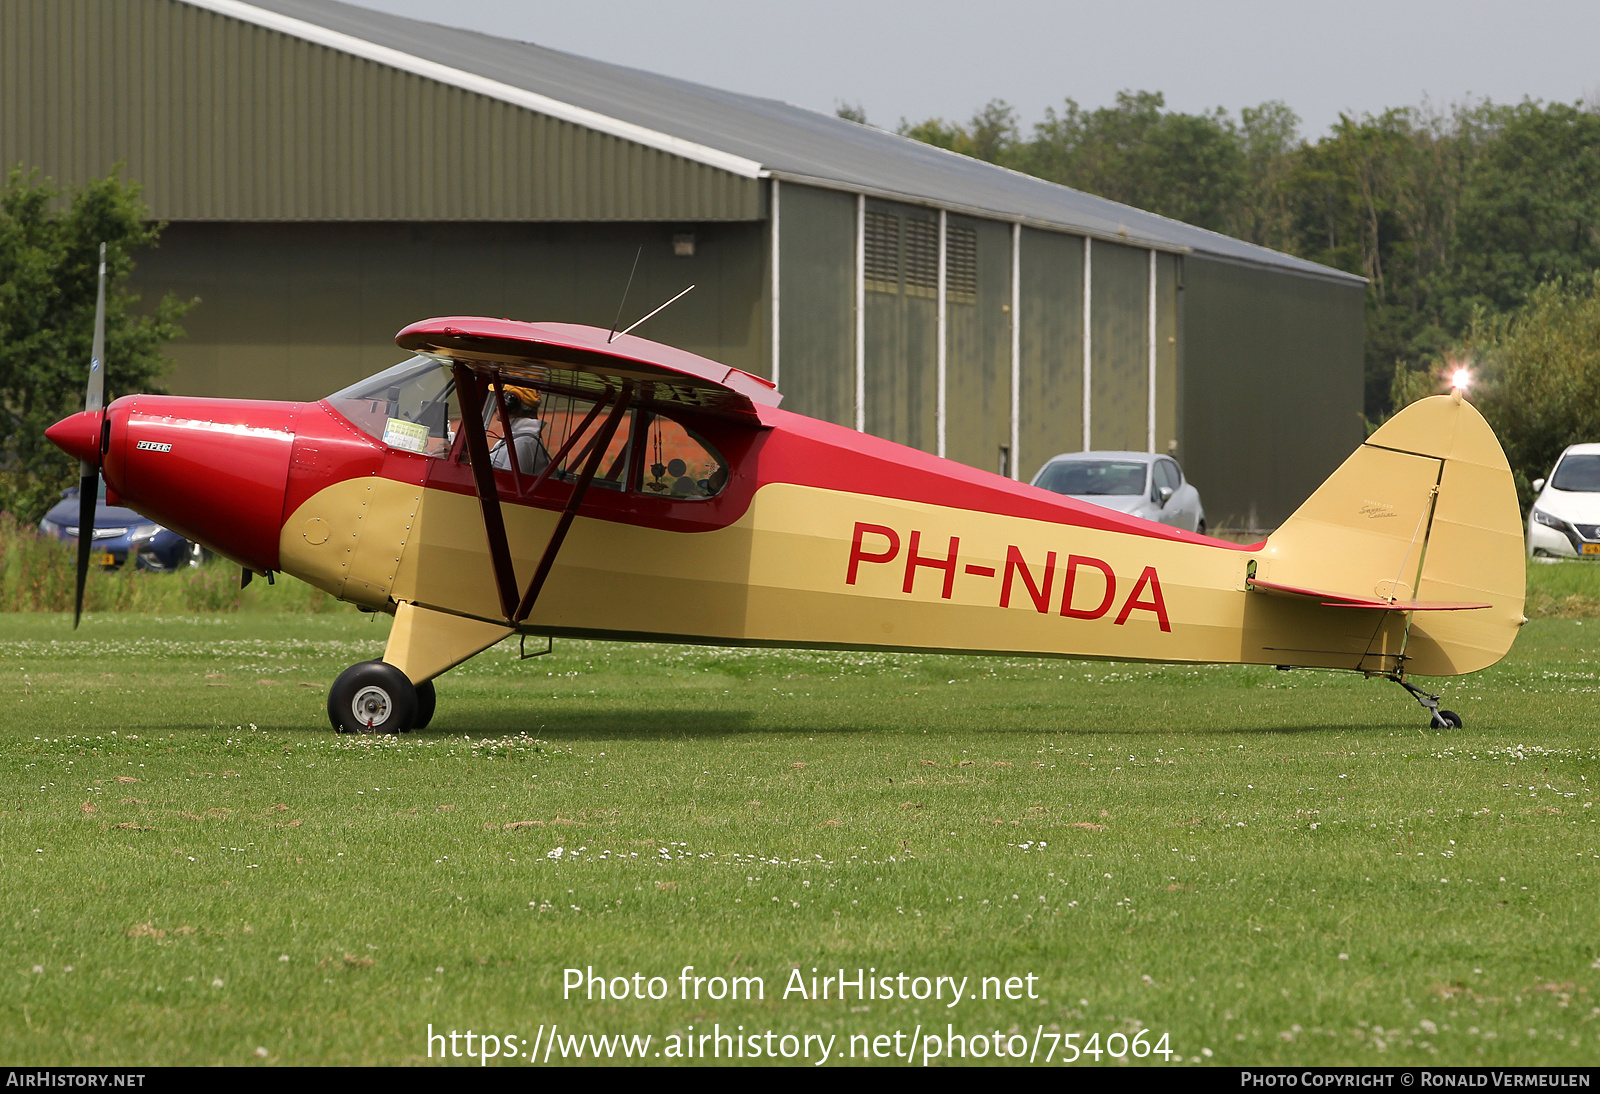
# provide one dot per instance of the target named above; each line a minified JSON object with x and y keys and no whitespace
{"x":1266,"y":867}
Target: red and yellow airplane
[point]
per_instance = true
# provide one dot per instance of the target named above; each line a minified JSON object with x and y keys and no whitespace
{"x":550,"y":479}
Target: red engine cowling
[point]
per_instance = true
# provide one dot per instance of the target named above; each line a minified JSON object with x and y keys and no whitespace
{"x":213,"y":470}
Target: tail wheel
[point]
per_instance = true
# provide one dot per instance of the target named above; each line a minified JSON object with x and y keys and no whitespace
{"x":1450,"y":718}
{"x":373,"y":697}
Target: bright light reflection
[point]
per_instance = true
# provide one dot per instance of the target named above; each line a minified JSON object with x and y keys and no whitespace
{"x":1461,"y":379}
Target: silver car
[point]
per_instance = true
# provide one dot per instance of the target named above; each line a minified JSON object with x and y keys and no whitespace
{"x":1141,"y":484}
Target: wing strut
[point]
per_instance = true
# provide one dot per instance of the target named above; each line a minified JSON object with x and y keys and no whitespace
{"x":494,"y":521}
{"x":494,"y":524}
{"x":505,"y":431}
{"x":597,"y":451}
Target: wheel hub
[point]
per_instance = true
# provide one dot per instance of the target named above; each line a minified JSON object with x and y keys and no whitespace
{"x":371,"y":706}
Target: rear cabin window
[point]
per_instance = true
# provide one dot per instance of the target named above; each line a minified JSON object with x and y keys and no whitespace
{"x":678,"y":463}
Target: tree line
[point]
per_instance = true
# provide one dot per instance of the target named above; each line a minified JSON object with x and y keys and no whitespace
{"x":1454,"y":216}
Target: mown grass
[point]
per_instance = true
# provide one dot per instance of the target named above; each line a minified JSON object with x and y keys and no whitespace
{"x":1269,"y":867}
{"x":1563,"y":590}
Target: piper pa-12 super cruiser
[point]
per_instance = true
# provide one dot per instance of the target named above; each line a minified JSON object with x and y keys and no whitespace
{"x":556,"y":480}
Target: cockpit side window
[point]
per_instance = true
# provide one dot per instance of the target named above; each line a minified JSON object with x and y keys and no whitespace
{"x":555,"y":417}
{"x":679,"y":463}
{"x":411,"y":406}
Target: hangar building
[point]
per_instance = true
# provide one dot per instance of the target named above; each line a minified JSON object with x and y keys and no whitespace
{"x":330,"y":174}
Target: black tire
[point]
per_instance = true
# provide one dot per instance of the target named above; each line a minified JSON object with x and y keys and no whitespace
{"x":372,"y":697}
{"x":1451,"y":719}
{"x":427,"y":699}
{"x":1201,"y":528}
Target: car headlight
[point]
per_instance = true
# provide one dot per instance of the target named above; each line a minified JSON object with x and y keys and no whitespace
{"x":1548,"y":521}
{"x":49,"y":528}
{"x":146,"y":531}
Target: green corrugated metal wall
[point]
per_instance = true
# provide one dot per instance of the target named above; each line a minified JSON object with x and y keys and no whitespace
{"x":1051,"y":397}
{"x":294,"y":311}
{"x":1271,"y":387}
{"x":223,"y":120}
{"x":816,"y":350}
{"x":1169,"y":385}
{"x":902,"y":344}
{"x":1119,"y":347}
{"x":978,"y":368}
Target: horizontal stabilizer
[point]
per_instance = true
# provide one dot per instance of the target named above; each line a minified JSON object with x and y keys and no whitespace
{"x":1344,"y":600}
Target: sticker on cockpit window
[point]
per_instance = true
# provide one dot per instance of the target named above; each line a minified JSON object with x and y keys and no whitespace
{"x":409,"y":436}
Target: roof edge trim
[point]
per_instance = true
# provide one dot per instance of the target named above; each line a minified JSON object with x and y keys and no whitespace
{"x":982,"y":212}
{"x":494,"y":89}
{"x":1317,"y":272}
{"x":1329,"y":274}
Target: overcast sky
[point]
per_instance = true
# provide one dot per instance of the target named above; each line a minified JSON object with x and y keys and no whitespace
{"x":943,"y":58}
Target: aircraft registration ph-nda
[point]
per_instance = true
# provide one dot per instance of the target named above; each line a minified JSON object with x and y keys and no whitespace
{"x":556,"y":480}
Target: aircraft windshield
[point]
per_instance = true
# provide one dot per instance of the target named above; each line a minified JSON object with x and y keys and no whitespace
{"x":1580,"y":474}
{"x":1093,"y":478}
{"x":410,"y":406}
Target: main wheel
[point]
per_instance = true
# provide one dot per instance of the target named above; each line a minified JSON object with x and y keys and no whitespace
{"x":427,"y":699}
{"x":372,"y":697}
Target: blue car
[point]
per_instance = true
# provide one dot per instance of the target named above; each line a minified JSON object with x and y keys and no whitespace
{"x":120,"y":534}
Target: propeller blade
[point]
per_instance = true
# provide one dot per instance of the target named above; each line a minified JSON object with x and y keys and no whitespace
{"x":89,"y":473}
{"x":88,"y":490}
{"x":95,"y":397}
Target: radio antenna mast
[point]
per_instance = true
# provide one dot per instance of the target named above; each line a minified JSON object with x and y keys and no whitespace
{"x":662,"y":308}
{"x":624,"y":301}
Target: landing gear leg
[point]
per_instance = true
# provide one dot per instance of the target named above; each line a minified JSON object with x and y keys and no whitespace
{"x":1439,"y":719}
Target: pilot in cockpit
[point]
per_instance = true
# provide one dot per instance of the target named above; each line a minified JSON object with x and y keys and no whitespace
{"x":522,"y":408}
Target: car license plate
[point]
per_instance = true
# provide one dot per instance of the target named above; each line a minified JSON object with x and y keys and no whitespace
{"x":106,"y":558}
{"x":1591,"y":548}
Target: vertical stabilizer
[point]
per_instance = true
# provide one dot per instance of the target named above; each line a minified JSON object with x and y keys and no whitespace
{"x":1425,"y":510}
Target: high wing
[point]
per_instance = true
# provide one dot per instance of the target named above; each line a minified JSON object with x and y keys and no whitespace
{"x":616,"y":372}
{"x":568,"y":359}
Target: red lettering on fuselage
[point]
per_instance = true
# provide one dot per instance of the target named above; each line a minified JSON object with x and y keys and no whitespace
{"x":1156,"y":604}
{"x":933,"y":562}
{"x":1069,"y":586}
{"x":1017,"y":565}
{"x":858,"y":556}
{"x":1145,"y":596}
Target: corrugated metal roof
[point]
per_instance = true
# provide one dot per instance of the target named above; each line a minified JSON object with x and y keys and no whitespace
{"x":733,"y":131}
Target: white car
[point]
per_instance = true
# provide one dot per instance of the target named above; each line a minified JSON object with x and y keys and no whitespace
{"x":1141,"y":484}
{"x":1565,"y":519}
